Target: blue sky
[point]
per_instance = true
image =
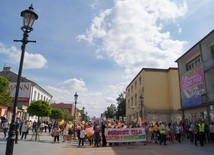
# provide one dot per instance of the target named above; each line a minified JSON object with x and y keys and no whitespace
{"x":96,"y":47}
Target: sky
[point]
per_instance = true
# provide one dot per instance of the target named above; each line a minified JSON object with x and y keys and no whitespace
{"x":96,"y":47}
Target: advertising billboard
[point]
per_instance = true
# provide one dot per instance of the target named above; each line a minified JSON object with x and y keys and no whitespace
{"x":24,"y":91}
{"x":192,"y":85}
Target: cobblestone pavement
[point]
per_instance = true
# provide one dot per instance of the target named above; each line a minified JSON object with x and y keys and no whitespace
{"x":45,"y":146}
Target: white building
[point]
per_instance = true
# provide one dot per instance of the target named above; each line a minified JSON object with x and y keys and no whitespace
{"x":28,"y":91}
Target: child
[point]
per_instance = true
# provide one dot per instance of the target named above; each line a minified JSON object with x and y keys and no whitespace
{"x":56,"y":133}
{"x":82,"y":136}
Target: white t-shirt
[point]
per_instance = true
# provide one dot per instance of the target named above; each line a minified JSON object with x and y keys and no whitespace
{"x":82,"y":133}
{"x":212,"y":128}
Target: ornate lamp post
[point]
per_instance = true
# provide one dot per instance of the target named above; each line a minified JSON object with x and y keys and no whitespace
{"x":75,"y":99}
{"x":83,"y":113}
{"x":86,"y":117}
{"x":29,"y":16}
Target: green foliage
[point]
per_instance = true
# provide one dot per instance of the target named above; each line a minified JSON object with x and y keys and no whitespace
{"x":121,"y":106}
{"x":110,"y":112}
{"x":67,"y":115}
{"x":57,"y":114}
{"x":118,"y":111}
{"x":5,"y":98}
{"x":39,"y":108}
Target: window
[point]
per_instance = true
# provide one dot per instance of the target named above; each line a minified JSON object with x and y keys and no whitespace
{"x":135,"y":98}
{"x":140,"y":80}
{"x":192,"y":64}
{"x":38,"y":97}
{"x":34,"y":98}
{"x":132,"y":101}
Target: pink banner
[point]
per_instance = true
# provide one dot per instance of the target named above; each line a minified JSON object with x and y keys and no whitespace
{"x":192,"y":79}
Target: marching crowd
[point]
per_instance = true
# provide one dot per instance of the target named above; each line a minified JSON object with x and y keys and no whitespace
{"x":94,"y":132}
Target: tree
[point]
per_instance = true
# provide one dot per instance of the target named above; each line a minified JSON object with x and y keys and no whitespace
{"x":5,"y":98}
{"x":39,"y":108}
{"x":118,"y":111}
{"x":67,"y":115}
{"x":121,"y":106}
{"x":57,"y":113}
{"x":110,"y":112}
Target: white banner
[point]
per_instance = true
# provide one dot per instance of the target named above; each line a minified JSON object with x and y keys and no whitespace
{"x":125,"y":134}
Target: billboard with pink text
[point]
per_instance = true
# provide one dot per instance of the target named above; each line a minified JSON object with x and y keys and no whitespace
{"x":192,"y":86}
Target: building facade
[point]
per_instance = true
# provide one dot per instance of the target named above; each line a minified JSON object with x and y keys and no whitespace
{"x":153,"y":95}
{"x":28,"y":91}
{"x":196,"y":75}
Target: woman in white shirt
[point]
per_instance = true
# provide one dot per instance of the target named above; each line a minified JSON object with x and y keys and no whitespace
{"x":82,"y":136}
{"x":211,"y":127}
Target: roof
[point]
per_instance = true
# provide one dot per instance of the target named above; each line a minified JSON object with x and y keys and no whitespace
{"x":153,"y":70}
{"x":12,"y":77}
{"x":62,"y":105}
{"x":195,"y":45}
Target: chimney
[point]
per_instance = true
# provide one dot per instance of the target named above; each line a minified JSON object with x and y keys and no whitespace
{"x":6,"y":69}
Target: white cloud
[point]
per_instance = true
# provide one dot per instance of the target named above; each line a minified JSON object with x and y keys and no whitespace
{"x":131,"y":33}
{"x":30,"y":60}
{"x":94,"y":102}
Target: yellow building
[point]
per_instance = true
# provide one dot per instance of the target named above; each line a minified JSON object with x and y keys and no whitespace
{"x":154,"y":95}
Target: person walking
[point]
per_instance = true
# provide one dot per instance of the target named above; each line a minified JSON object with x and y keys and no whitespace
{"x":24,"y":130}
{"x":201,"y":129}
{"x":56,"y":133}
{"x":178,"y":130}
{"x":82,"y":136}
{"x":196,"y":134}
{"x":65,"y":133}
{"x":96,"y":135}
{"x":103,"y":127}
{"x":17,"y":124}
{"x":156,"y":132}
{"x":49,"y":127}
{"x":162,"y":129}
{"x":5,"y":128}
{"x":191,"y":130}
{"x":70,"y":128}
{"x":211,"y":127}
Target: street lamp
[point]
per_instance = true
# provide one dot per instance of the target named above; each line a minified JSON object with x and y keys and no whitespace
{"x":29,"y":16}
{"x":75,"y":99}
{"x":141,"y":107}
{"x":83,"y":113}
{"x":86,"y":117}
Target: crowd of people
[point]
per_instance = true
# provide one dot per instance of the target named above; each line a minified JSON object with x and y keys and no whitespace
{"x":93,"y":132}
{"x":156,"y":132}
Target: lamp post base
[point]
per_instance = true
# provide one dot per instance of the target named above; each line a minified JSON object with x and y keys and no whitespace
{"x":10,"y":140}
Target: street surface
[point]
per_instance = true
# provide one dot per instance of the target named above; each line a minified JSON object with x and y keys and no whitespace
{"x":45,"y":146}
